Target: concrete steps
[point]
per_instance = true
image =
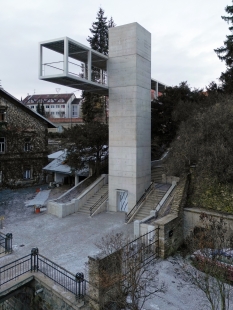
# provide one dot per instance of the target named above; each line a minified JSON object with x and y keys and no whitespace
{"x":156,"y":174}
{"x":152,"y":200}
{"x":86,"y":207}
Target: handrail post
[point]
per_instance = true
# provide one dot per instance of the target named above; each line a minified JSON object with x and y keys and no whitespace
{"x":79,"y":279}
{"x":34,"y":259}
{"x":8,"y":243}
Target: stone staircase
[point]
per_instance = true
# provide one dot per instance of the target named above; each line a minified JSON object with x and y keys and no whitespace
{"x":91,"y":201}
{"x":156,"y":174}
{"x":152,"y":200}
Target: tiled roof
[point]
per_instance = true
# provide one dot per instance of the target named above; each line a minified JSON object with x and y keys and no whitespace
{"x":55,"y":97}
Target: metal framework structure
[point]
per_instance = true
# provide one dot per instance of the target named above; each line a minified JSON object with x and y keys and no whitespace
{"x":79,"y":67}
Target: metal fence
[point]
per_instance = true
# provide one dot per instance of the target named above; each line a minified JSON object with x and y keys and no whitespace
{"x":5,"y":243}
{"x":15,"y":269}
{"x":141,"y":251}
{"x":35,"y":262}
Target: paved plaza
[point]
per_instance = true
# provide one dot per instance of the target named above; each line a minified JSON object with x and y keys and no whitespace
{"x":69,"y":241}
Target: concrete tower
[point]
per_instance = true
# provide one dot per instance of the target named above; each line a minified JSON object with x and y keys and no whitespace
{"x":129,"y":78}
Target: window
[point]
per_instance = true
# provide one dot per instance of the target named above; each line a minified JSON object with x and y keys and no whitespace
{"x":75,"y":111}
{"x":2,"y":116}
{"x":51,"y":113}
{"x":63,"y":106}
{"x":58,"y":106}
{"x":27,"y":173}
{"x":61,"y":100}
{"x":27,"y":146}
{"x":47,"y":106}
{"x":58,"y":113}
{"x":2,"y":145}
{"x":32,"y":106}
{"x":52,"y":106}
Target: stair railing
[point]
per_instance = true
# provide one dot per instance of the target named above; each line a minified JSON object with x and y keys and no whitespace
{"x":167,"y":197}
{"x":102,"y":199}
{"x":129,"y":215}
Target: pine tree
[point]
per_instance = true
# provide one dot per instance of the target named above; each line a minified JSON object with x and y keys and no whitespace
{"x":225,"y":53}
{"x":93,"y":104}
{"x":99,"y":39}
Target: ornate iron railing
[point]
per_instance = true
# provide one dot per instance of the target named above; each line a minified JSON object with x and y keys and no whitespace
{"x":5,"y":243}
{"x":139,"y":202}
{"x":34,"y":262}
{"x":102,"y":199}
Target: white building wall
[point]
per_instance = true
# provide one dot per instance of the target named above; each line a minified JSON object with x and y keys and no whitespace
{"x":129,"y":74}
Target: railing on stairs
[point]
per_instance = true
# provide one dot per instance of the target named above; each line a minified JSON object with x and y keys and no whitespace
{"x":95,"y":207}
{"x":166,"y":198}
{"x":129,"y":215}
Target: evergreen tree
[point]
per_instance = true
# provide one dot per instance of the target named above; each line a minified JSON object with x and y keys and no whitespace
{"x":38,"y":108}
{"x":99,"y":39}
{"x":93,"y":104}
{"x":225,"y":53}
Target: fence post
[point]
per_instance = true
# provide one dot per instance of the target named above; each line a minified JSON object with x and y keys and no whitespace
{"x":34,"y":259}
{"x":8,"y":243}
{"x":79,"y":280}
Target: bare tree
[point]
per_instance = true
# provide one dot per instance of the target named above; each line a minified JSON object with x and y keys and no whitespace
{"x":210,"y":245}
{"x":128,"y":272}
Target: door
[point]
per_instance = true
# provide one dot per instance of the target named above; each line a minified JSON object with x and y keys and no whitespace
{"x":122,"y":200}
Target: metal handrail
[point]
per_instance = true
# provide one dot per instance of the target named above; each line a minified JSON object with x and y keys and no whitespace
{"x":138,"y":204}
{"x":34,"y":262}
{"x":98,"y":203}
{"x":5,"y":243}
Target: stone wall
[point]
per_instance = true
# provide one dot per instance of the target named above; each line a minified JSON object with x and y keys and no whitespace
{"x":23,"y":126}
{"x":104,"y":273}
{"x":171,"y":225}
{"x":42,"y":293}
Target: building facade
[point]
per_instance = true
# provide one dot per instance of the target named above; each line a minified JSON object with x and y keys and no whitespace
{"x":23,"y":143}
{"x":55,"y":105}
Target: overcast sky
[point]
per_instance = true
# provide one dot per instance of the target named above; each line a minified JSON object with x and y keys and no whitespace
{"x":184,"y":34}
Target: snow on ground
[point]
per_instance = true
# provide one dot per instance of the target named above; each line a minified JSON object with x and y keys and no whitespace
{"x":69,"y":241}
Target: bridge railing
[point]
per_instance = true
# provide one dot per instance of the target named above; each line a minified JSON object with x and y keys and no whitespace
{"x":35,"y":262}
{"x":5,"y":243}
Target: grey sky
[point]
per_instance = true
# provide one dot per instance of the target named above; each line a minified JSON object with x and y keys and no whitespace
{"x":184,"y":34}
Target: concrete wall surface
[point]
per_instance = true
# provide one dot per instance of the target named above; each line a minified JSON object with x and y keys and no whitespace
{"x":192,"y":219}
{"x":129,"y":73}
{"x":64,"y":209}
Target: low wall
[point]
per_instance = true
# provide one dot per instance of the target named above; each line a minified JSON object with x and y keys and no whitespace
{"x":63,"y":209}
{"x":41,"y":293}
{"x":192,"y":219}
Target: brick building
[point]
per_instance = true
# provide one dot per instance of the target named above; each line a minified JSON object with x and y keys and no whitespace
{"x":23,"y":143}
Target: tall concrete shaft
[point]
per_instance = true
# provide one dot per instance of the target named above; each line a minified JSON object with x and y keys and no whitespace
{"x":129,"y":77}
